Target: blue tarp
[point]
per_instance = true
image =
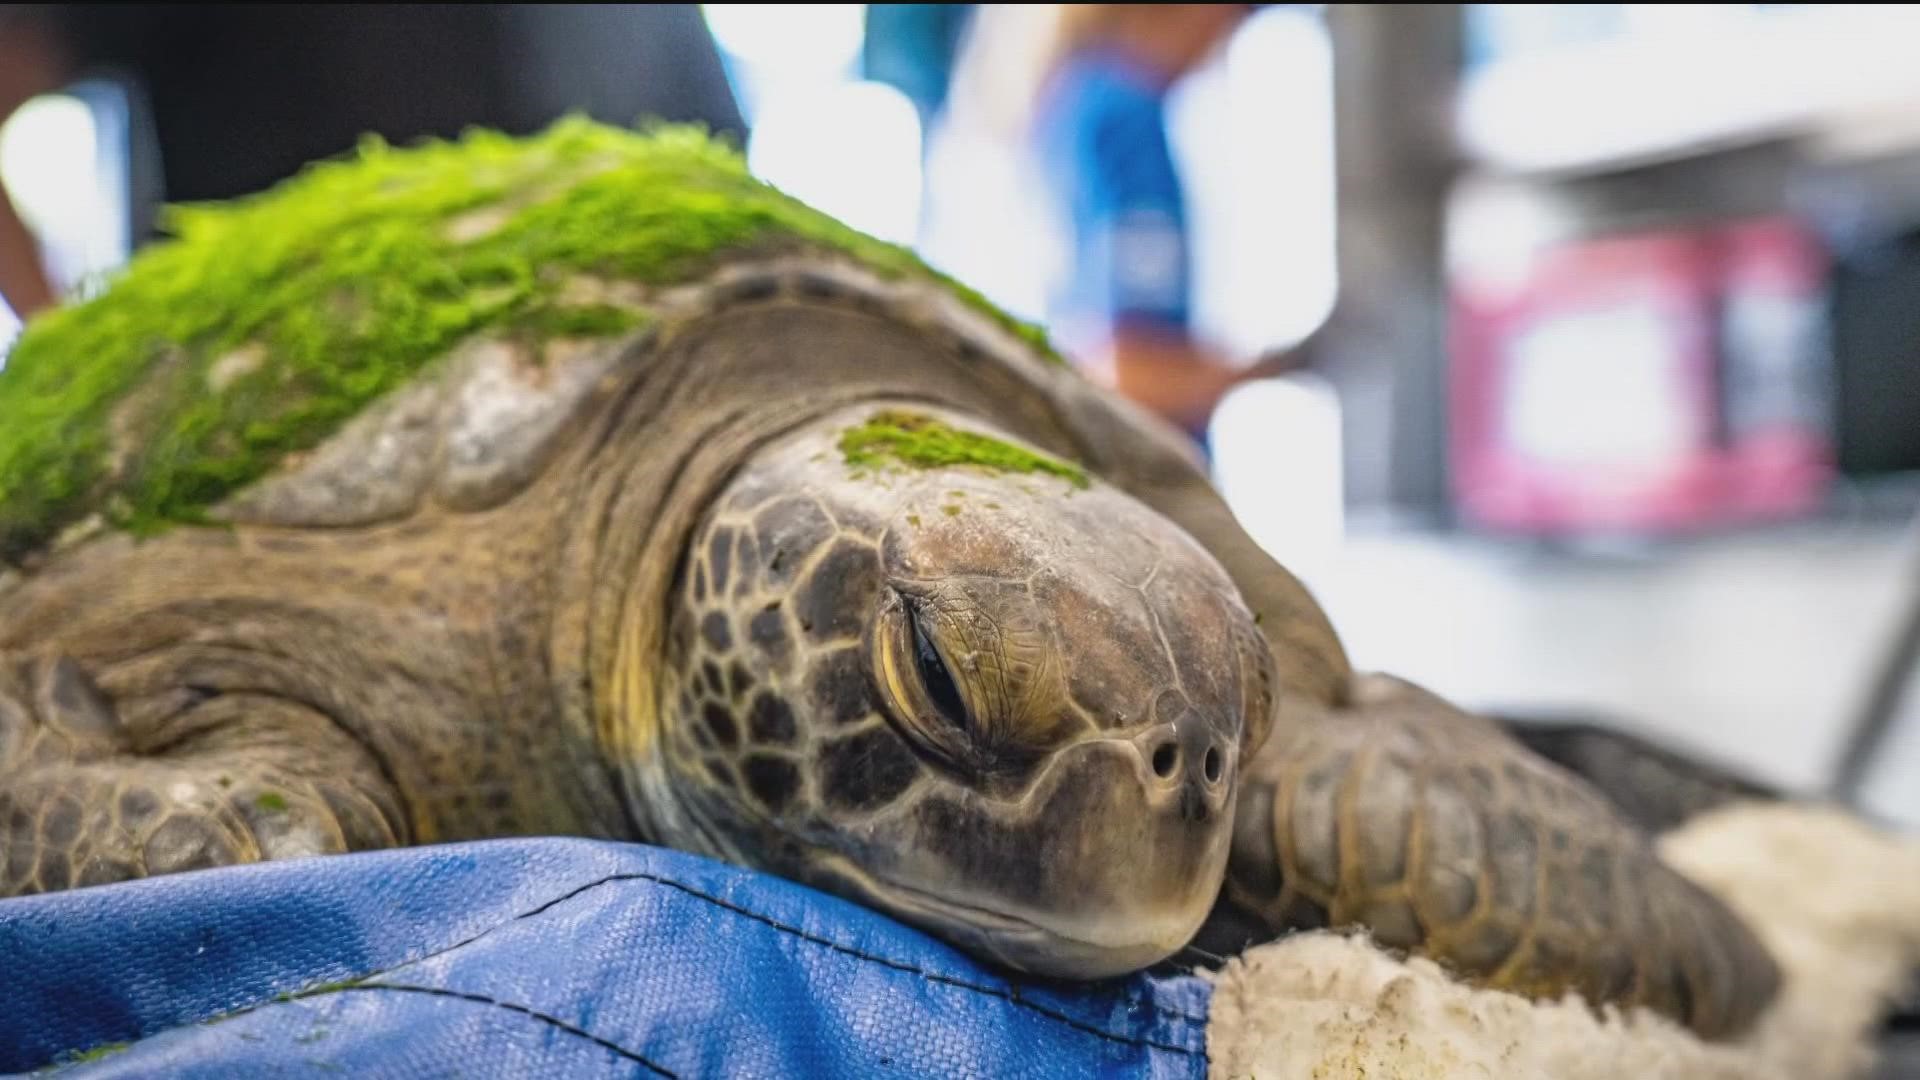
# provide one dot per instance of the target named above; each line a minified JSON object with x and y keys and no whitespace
{"x":541,"y":958}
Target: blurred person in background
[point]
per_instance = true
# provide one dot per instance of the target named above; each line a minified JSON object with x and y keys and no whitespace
{"x":1097,"y":126}
{"x":230,"y":99}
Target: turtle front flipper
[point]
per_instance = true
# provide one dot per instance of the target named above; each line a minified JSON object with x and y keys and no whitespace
{"x":240,"y":778}
{"x":1443,"y":838}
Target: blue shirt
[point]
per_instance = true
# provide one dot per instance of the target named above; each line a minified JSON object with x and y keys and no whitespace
{"x":1101,"y":141}
{"x":1100,"y":137}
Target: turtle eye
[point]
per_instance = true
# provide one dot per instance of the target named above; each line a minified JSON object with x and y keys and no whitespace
{"x":935,"y":677}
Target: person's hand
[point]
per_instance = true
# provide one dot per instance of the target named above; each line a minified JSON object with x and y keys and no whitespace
{"x":1276,"y":362}
{"x":1348,"y":323}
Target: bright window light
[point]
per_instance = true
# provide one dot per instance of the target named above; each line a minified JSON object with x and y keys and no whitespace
{"x":851,"y":150}
{"x":790,"y":37}
{"x":1253,"y":133}
{"x":56,"y":164}
{"x":1276,"y":461}
{"x":1703,"y":74}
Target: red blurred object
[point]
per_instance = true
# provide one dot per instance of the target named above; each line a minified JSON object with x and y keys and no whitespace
{"x":1653,"y":383}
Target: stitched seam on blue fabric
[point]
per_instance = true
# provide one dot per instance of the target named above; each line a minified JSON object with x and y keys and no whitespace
{"x":482,"y":999}
{"x":1011,"y":996}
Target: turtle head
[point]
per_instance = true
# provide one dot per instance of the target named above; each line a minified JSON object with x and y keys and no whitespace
{"x":963,"y":683}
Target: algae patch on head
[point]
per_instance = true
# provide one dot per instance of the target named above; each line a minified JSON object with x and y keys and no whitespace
{"x":922,"y":442}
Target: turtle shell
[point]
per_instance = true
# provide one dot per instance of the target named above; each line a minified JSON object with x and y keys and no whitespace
{"x":406,"y":325}
{"x":264,"y":326}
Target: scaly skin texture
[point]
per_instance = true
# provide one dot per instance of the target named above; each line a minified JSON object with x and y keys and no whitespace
{"x":561,"y":646}
{"x":1427,"y":828}
{"x":248,"y":685}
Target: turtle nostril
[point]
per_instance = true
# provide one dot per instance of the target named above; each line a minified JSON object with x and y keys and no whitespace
{"x":1166,"y":759}
{"x":1212,"y":764}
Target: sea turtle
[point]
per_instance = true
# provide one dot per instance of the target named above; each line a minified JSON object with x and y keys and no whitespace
{"x":581,"y":484}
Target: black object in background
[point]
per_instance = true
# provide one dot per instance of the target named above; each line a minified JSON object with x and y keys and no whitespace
{"x":231,"y":99}
{"x":1876,"y":338}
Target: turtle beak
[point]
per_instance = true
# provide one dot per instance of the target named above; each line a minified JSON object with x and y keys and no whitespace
{"x":1107,"y":864}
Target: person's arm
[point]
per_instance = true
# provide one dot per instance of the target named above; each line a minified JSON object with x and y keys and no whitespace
{"x":1132,"y":264}
{"x":1166,"y":372}
{"x":1181,"y":380}
{"x":29,"y":66}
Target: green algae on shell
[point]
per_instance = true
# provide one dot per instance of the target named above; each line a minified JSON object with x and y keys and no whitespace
{"x":268,"y":322}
